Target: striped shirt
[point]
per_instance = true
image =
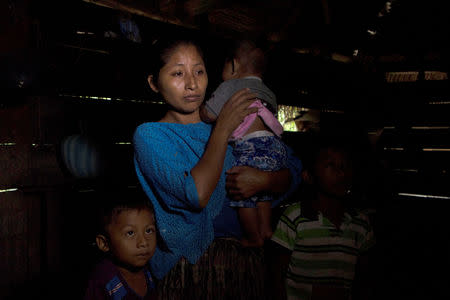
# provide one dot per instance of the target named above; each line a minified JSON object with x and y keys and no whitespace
{"x":321,"y":253}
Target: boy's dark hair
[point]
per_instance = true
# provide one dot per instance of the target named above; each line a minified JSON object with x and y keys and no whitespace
{"x":316,"y":142}
{"x":116,"y":201}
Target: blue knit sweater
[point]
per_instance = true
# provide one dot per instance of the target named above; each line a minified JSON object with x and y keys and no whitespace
{"x":164,"y":155}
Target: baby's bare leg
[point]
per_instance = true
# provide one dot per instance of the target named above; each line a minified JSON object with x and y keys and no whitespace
{"x":250,"y":224}
{"x":265,"y":219}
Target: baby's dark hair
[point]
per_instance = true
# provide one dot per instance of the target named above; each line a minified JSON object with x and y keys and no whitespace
{"x":117,"y":201}
{"x":248,"y":52}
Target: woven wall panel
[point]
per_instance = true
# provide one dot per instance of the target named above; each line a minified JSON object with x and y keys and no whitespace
{"x":14,"y":163}
{"x":19,"y":239}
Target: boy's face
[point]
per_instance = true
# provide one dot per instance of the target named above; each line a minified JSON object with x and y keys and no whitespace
{"x":132,"y":237}
{"x":334,"y":172}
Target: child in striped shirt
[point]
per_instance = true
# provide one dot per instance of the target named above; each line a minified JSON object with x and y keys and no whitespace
{"x":325,"y":243}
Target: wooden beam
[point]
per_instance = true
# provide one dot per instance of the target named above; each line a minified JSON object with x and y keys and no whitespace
{"x":85,"y":49}
{"x":134,"y":8}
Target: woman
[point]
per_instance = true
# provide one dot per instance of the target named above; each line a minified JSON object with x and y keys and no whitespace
{"x":181,"y":163}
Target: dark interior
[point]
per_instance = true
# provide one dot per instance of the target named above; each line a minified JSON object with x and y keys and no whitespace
{"x":72,"y":81}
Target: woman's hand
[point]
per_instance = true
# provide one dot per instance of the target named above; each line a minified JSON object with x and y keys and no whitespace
{"x":207,"y":171}
{"x":235,"y":110}
{"x":244,"y":182}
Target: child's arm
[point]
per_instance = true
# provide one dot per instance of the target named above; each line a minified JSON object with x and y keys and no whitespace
{"x":206,"y":115}
{"x":206,"y":173}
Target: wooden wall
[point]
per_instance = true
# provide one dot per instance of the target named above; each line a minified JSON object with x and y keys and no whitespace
{"x":44,"y":210}
{"x":45,"y":241}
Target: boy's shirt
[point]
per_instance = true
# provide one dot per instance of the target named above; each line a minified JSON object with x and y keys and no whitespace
{"x":106,"y":282}
{"x":321,"y":253}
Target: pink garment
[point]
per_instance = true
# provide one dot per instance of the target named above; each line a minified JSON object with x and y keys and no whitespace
{"x":265,"y":114}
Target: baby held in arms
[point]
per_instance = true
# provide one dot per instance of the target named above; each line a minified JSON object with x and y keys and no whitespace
{"x":256,"y":141}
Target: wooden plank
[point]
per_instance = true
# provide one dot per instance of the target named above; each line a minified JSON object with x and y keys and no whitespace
{"x":54,"y":231}
{"x":14,"y":162}
{"x":17,"y":132}
{"x":17,"y":124}
{"x":34,"y":235}
{"x":45,"y":169}
{"x":139,"y":9}
{"x":13,"y":239}
{"x":50,"y":115}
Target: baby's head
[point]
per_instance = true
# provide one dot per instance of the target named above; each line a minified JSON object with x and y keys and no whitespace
{"x":244,"y":58}
{"x":127,"y":231}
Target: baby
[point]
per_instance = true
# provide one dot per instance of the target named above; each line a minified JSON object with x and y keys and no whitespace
{"x":256,"y":142}
{"x":127,"y":237}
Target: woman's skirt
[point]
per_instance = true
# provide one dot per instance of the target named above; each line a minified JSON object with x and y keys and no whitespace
{"x":225,"y":271}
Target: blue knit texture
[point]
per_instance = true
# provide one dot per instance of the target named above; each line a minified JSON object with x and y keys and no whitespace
{"x":164,"y":155}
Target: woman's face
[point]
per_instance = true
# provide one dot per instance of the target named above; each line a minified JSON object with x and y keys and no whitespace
{"x":183,"y":80}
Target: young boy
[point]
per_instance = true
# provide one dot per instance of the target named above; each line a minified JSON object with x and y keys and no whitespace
{"x":324,"y":243}
{"x":127,"y":237}
{"x":256,"y":142}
